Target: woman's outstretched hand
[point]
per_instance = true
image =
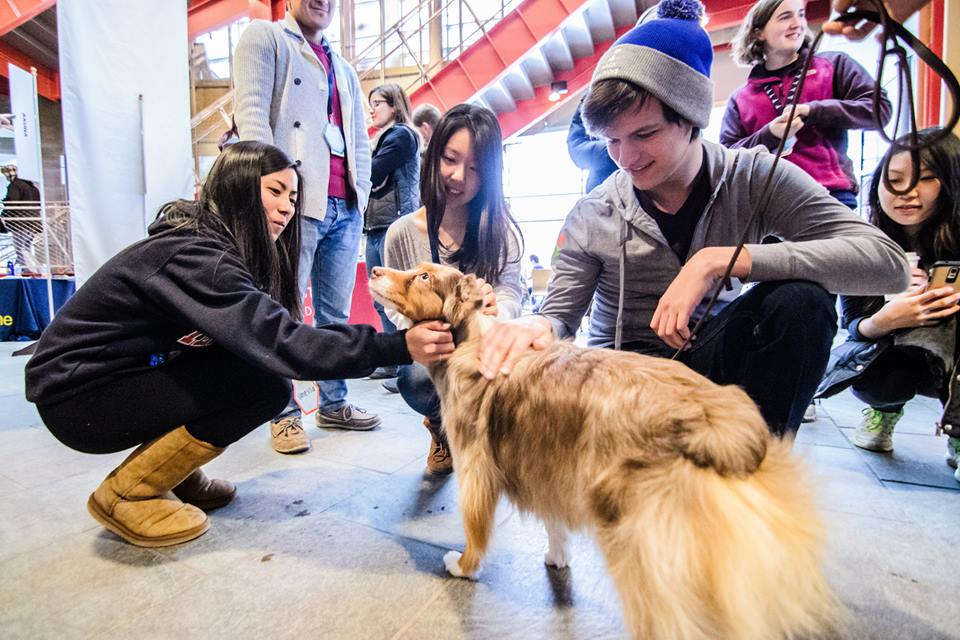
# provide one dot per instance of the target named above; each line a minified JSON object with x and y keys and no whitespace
{"x":430,"y":342}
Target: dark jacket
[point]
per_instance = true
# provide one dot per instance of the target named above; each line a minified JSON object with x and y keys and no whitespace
{"x":851,"y":359}
{"x":588,"y":152}
{"x":180,"y":290}
{"x":840,"y":94}
{"x":20,"y":190}
{"x":395,"y":175}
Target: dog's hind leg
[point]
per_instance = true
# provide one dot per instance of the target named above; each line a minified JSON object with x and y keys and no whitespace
{"x":478,"y":503}
{"x":558,"y":554}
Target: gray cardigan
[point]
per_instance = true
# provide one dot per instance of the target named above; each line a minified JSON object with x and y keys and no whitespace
{"x":406,"y":246}
{"x":823,"y":242}
{"x":281,"y":99}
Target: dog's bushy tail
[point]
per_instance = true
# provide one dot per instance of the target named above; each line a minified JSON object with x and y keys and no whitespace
{"x":699,"y":555}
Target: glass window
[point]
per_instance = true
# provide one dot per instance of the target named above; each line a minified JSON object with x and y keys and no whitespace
{"x":211,"y":53}
{"x":542,"y":185}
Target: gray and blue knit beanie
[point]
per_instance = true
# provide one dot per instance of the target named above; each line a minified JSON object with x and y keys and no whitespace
{"x":670,"y":57}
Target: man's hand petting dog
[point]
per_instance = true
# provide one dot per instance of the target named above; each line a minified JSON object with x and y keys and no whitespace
{"x":506,"y":342}
{"x":430,"y":342}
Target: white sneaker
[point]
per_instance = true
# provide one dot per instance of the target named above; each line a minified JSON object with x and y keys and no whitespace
{"x":810,"y":414}
{"x":876,"y":430}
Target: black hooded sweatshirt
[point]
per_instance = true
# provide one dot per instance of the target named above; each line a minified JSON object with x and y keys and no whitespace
{"x":180,"y":290}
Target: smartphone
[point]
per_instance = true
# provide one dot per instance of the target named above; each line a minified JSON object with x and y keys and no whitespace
{"x":945,"y":273}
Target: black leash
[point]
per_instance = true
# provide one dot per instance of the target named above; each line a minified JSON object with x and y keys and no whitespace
{"x":891,"y":31}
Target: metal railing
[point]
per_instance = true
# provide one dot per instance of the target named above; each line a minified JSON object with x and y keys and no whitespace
{"x":375,"y":59}
{"x":411,"y":26}
{"x":22,"y":238}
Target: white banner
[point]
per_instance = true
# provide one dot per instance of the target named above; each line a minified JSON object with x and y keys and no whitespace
{"x":124,"y":78}
{"x":23,"y":105}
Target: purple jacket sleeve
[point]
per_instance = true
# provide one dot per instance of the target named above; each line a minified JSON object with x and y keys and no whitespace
{"x":733,"y":136}
{"x":852,"y":106}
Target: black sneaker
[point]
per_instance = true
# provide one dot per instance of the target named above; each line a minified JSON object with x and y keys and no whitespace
{"x":381,"y":373}
{"x":390,"y":384}
{"x":349,"y":416}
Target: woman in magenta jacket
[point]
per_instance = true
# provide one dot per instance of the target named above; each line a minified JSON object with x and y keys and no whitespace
{"x":837,"y":96}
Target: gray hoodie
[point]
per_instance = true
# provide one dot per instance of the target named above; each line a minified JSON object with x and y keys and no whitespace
{"x":823,"y":242}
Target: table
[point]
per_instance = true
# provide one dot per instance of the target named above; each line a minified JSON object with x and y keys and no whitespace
{"x":24,"y":311}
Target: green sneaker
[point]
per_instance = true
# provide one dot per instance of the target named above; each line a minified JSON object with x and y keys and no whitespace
{"x":953,"y":452}
{"x":876,"y":430}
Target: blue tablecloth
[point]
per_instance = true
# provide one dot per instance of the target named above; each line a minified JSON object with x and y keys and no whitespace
{"x":24,"y":311}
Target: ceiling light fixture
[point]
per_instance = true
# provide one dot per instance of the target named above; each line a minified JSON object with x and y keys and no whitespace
{"x":557,"y":89}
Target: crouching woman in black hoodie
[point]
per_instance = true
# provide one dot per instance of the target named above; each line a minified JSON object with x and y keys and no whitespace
{"x":186,"y":341}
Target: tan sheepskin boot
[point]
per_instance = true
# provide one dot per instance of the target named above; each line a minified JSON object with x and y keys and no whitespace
{"x":135,"y":502}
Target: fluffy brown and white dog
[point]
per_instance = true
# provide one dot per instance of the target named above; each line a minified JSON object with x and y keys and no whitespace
{"x":707,"y":523}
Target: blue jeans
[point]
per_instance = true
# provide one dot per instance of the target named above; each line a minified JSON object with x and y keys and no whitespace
{"x":417,"y":390}
{"x":328,"y":262}
{"x":374,"y":258}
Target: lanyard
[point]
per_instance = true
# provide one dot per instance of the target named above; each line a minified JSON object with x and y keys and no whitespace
{"x":775,"y":99}
{"x":326,"y":49}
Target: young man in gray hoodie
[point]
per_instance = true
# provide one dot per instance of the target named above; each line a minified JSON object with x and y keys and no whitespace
{"x":650,"y":243}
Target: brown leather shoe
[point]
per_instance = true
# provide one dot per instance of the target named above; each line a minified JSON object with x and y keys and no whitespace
{"x":439,"y":460}
{"x":287,"y":435}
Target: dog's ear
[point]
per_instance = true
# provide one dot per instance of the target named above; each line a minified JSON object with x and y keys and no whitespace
{"x":470,"y":291}
{"x":467,"y":299}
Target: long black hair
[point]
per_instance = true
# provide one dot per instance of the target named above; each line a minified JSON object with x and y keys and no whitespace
{"x":938,"y":237}
{"x":231,"y":203}
{"x":489,"y":238}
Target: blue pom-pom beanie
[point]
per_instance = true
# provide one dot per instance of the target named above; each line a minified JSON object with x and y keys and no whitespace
{"x":669,"y":56}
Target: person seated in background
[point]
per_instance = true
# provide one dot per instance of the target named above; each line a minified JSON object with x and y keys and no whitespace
{"x":465,"y":223}
{"x":425,"y":118}
{"x":186,"y":341}
{"x":837,"y":97}
{"x":652,"y":241}
{"x":532,"y":265}
{"x":907,"y":344}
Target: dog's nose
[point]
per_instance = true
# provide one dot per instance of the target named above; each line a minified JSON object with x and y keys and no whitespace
{"x":376,"y":272}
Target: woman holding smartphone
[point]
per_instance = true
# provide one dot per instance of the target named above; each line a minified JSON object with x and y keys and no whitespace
{"x":907,"y":344}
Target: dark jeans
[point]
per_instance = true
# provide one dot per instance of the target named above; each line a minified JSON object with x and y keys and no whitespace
{"x":894,"y":378}
{"x":417,"y":390}
{"x":374,"y":258}
{"x":773,"y":341}
{"x":217,"y":396}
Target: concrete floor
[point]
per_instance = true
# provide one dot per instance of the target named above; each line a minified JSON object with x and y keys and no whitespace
{"x":347,"y":540}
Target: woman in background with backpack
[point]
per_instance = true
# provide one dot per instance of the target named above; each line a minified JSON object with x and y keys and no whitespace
{"x":395,"y":174}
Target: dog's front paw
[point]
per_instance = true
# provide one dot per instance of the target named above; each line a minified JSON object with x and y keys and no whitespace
{"x":559,"y":558}
{"x":452,"y":561}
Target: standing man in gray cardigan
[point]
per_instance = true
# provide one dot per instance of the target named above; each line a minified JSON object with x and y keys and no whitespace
{"x":294,"y":92}
{"x":648,"y":245}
